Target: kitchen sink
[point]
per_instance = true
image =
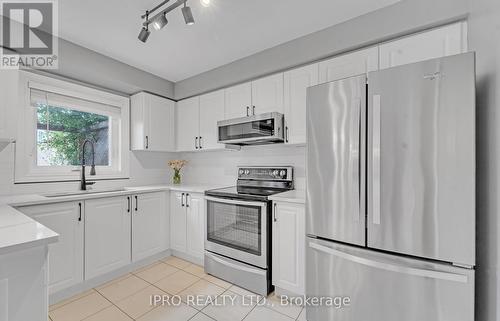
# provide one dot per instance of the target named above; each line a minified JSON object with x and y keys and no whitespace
{"x":85,"y":192}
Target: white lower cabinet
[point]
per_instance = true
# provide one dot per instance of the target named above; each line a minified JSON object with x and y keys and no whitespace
{"x":195,"y":225}
{"x":149,"y":225}
{"x":187,"y":213}
{"x":177,"y":221}
{"x":288,"y":265}
{"x":107,"y":235}
{"x":66,"y":255}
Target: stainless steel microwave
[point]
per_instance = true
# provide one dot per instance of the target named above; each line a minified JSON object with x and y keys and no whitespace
{"x":260,"y":129}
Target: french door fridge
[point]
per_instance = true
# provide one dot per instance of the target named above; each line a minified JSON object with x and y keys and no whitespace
{"x":391,"y":193}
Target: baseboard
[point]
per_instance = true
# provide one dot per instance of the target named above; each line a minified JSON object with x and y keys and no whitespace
{"x":187,"y":257}
{"x":91,"y":283}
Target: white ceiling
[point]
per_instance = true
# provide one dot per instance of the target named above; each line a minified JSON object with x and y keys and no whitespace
{"x":224,"y":32}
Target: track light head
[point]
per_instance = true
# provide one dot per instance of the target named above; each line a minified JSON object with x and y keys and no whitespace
{"x":160,"y":22}
{"x":188,"y":15}
{"x":144,"y":34}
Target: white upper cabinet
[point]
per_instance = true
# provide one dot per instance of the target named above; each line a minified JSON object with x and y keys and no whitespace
{"x":107,"y":235}
{"x":65,"y":256}
{"x":296,"y":82}
{"x":211,"y":111}
{"x":440,"y":42}
{"x":238,"y":101}
{"x":188,"y":124}
{"x":152,"y":123}
{"x":348,"y":65}
{"x":267,"y":95}
{"x":149,"y":225}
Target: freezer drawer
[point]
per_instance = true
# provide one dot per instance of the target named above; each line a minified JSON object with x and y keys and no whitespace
{"x":384,"y":287}
{"x":421,"y":159}
{"x":335,"y":194}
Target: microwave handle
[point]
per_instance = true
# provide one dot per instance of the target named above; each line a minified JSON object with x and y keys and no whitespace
{"x":235,"y":202}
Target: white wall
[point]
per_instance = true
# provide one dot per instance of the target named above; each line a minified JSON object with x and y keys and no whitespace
{"x":146,"y":168}
{"x":220,"y":167}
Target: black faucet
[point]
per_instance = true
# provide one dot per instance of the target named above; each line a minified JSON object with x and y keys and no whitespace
{"x":83,"y":182}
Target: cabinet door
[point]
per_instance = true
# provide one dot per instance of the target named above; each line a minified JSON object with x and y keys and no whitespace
{"x":149,"y":225}
{"x":65,"y":256}
{"x":352,"y":64}
{"x":195,"y":225}
{"x":296,"y":83}
{"x":289,"y":247}
{"x":178,"y":221}
{"x":161,"y":124}
{"x":211,"y":111}
{"x":238,"y":101}
{"x":267,"y":94}
{"x":188,"y":124}
{"x":440,"y":42}
{"x":107,"y":235}
{"x":139,"y":121}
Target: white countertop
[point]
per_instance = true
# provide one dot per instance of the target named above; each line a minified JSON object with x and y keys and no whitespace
{"x":18,"y":231}
{"x":293,"y":196}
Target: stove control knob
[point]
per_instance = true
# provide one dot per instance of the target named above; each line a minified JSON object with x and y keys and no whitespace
{"x":282,"y":173}
{"x":276,"y":173}
{"x":241,"y":172}
{"x":247,"y":172}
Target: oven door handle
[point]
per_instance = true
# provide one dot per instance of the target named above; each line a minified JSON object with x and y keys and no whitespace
{"x":235,"y":202}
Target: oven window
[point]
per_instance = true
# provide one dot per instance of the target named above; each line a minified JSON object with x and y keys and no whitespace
{"x":252,"y":129}
{"x":235,"y":226}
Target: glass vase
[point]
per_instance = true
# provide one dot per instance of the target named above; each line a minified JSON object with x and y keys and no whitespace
{"x":177,"y":177}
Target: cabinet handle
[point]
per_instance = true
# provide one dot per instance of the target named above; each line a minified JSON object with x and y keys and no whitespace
{"x":253,"y":110}
{"x":187,"y":203}
{"x":147,"y":142}
{"x":128,"y":204}
{"x":286,"y":134}
{"x":248,"y":111}
{"x":274,"y":213}
{"x":182,"y":200}
{"x":136,"y":202}
{"x":80,"y":212}
{"x":196,"y":142}
{"x":199,"y":142}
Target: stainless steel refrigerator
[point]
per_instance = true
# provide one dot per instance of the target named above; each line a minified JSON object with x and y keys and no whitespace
{"x":391,"y":194}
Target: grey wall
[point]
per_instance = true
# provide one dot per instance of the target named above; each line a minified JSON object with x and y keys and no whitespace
{"x":88,"y":66}
{"x":85,"y":66}
{"x":404,"y":17}
{"x":484,"y":38}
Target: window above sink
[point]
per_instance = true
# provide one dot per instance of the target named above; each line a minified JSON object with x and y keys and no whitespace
{"x":56,"y":117}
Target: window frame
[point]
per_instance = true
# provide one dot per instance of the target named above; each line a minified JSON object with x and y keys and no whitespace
{"x":26,"y":168}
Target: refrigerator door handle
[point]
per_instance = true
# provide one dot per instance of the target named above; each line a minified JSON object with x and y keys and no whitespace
{"x":376,"y":160}
{"x":391,"y":267}
{"x":355,"y":149}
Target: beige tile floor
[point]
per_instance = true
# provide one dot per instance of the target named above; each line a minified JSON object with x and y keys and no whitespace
{"x":128,"y":298}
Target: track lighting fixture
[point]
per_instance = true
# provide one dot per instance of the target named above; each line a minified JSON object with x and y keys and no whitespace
{"x":144,"y":34}
{"x":188,"y":15}
{"x":160,"y":22}
{"x":160,"y":19}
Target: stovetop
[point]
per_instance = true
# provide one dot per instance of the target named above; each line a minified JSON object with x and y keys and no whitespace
{"x":257,"y":183}
{"x":245,"y":192}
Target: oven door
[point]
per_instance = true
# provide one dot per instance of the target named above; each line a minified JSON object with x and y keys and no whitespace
{"x":237,"y":229}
